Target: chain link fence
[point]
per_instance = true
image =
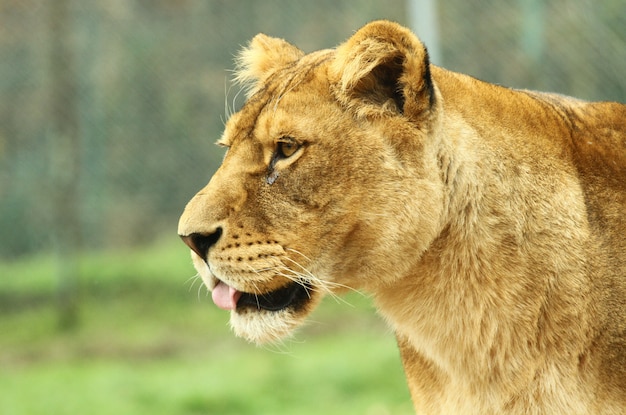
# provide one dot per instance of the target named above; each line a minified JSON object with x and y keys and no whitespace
{"x":109,"y":108}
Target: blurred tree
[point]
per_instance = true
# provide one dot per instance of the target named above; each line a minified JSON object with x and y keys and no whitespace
{"x":533,"y":38}
{"x":64,"y":150}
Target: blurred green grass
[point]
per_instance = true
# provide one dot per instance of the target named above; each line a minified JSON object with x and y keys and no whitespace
{"x":149,"y":341}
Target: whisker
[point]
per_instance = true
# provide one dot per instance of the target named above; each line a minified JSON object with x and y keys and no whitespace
{"x":299,"y":253}
{"x":335,"y":284}
{"x":282,"y":346}
{"x":226,"y":92}
{"x":200,"y":290}
{"x":234,"y":104}
{"x":227,"y":112}
{"x":256,"y":296}
{"x":192,"y":281}
{"x":319,"y":280}
{"x":319,"y":284}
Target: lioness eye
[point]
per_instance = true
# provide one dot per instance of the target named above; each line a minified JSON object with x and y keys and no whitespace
{"x":287,"y":148}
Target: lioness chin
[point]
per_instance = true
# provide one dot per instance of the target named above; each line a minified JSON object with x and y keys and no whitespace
{"x":487,"y":223}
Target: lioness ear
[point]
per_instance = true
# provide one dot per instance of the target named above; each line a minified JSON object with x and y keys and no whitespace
{"x":261,"y":58}
{"x":386,"y":67}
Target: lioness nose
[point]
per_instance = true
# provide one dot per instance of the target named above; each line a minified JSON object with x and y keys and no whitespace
{"x":201,"y":242}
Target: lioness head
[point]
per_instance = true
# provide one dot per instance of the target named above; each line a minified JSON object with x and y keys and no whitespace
{"x":311,"y":197}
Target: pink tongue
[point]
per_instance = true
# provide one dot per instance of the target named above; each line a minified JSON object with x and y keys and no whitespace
{"x":225,"y":297}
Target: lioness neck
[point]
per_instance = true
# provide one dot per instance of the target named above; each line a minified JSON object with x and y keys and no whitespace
{"x":500,"y":301}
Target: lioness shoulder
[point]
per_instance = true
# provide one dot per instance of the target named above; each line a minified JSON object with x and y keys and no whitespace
{"x":487,"y":223}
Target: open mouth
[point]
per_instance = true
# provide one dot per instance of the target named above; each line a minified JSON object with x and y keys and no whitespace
{"x":294,"y":295}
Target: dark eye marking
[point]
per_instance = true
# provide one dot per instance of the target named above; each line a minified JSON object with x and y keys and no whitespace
{"x":271,"y":178}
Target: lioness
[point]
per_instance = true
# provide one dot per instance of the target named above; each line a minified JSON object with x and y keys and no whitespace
{"x":487,"y":223}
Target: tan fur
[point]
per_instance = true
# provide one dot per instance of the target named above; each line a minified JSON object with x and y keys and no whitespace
{"x":487,"y":223}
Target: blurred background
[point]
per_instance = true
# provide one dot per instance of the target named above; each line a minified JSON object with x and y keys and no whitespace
{"x":108,"y":114}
